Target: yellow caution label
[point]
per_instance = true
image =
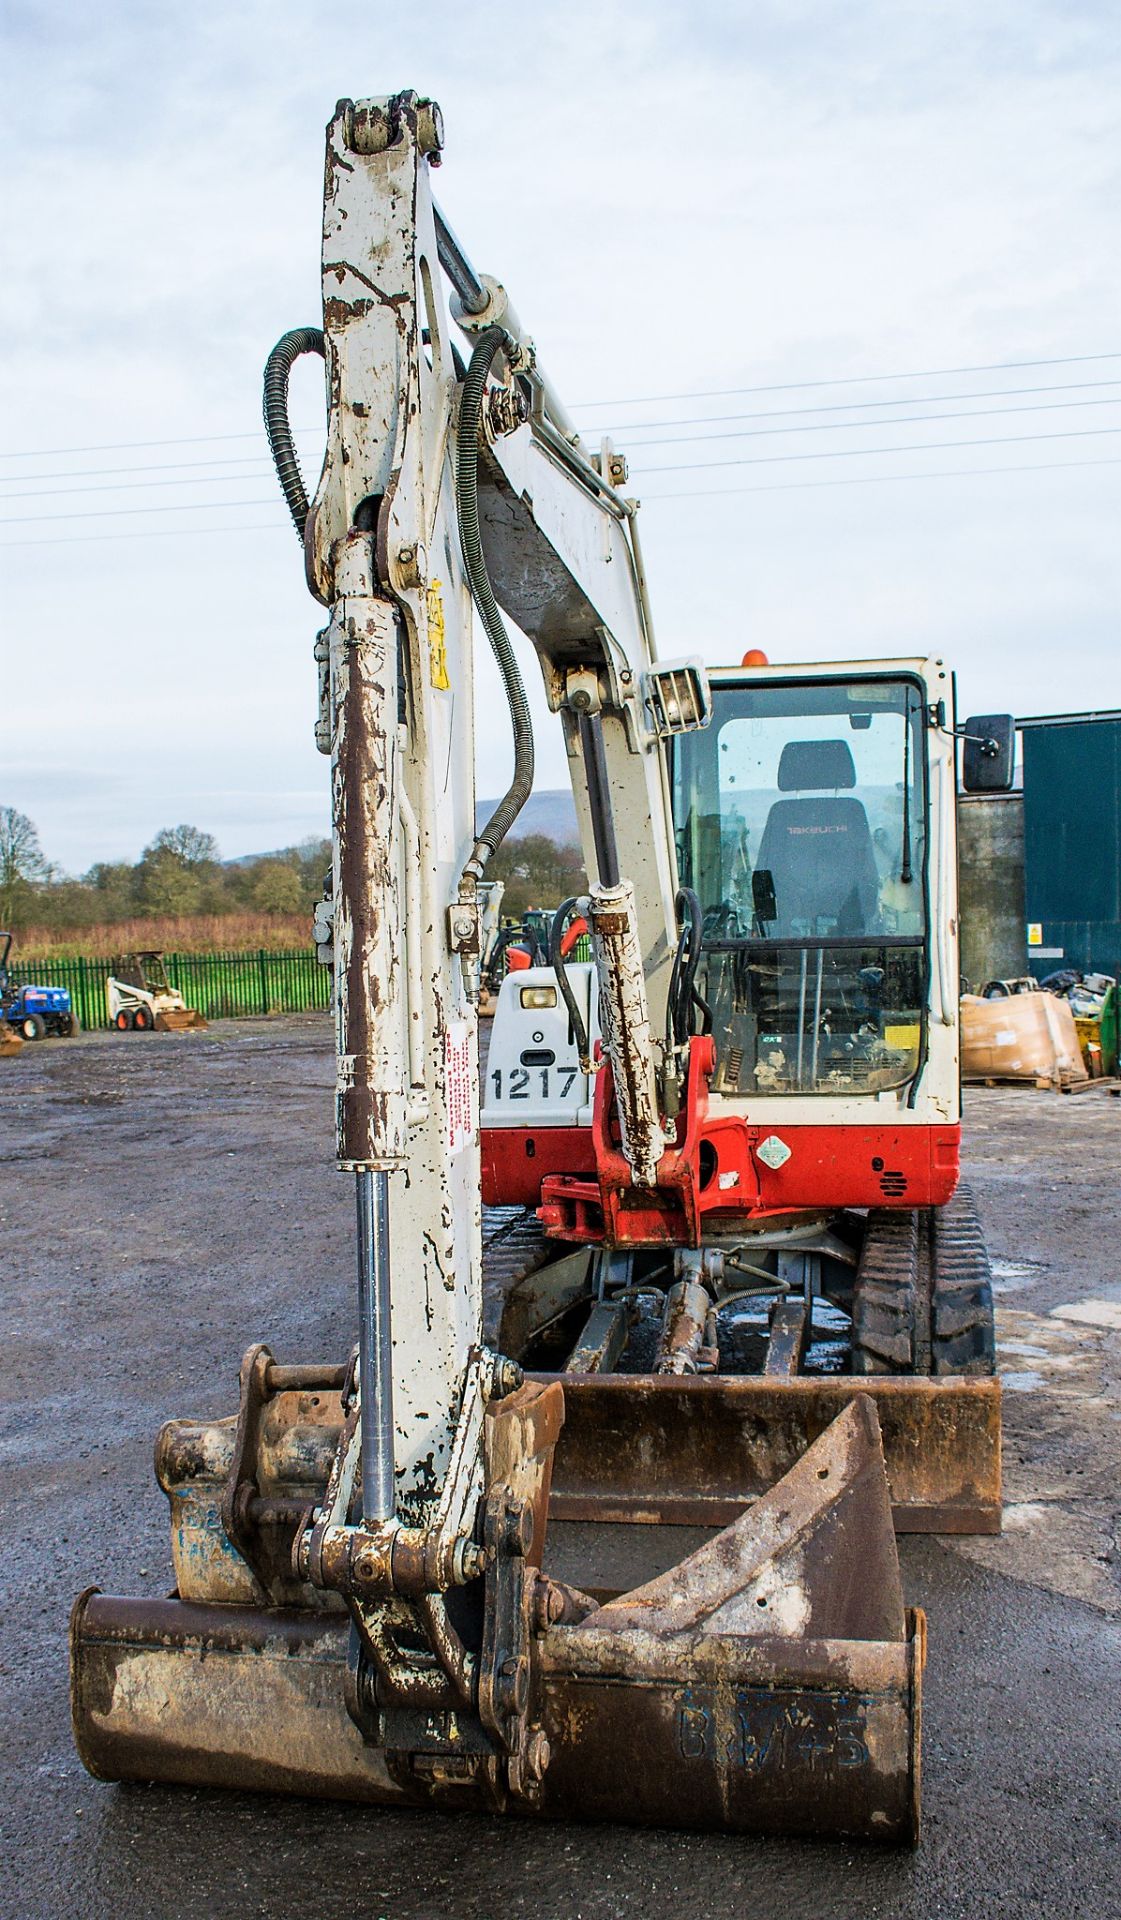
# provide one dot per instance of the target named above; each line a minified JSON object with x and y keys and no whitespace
{"x":437,"y":642}
{"x":906,"y":1038}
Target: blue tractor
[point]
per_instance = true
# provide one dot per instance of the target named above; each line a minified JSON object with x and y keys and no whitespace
{"x":33,"y":1011}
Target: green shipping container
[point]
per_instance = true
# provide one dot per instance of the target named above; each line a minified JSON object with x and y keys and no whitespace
{"x":1072,"y":842}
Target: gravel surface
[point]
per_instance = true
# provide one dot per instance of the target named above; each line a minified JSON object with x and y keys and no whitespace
{"x":167,"y":1199}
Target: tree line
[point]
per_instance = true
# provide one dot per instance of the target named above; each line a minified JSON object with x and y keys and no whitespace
{"x":181,"y":875}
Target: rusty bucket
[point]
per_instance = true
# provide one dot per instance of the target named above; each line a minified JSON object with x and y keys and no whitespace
{"x":771,"y":1681}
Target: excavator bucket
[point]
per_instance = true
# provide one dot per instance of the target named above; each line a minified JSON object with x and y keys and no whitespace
{"x":771,"y":1681}
{"x":178,"y":1019}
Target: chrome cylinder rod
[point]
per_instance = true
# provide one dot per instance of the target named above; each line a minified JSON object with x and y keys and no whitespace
{"x":458,"y":267}
{"x":375,"y":1348}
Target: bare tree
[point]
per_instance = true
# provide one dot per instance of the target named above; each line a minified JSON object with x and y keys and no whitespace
{"x":189,"y":844}
{"x":22,"y":865}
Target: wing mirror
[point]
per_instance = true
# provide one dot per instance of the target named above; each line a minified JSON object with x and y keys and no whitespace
{"x":988,"y":752}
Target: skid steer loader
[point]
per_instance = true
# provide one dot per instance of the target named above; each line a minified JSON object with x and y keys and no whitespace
{"x":370,"y":1600}
{"x":141,"y":999}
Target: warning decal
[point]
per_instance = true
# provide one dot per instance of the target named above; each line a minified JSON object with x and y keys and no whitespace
{"x":457,"y":1080}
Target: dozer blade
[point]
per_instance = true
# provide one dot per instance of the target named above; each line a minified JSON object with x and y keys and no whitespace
{"x":770,"y":1682}
{"x":694,"y":1451}
{"x":178,"y":1019}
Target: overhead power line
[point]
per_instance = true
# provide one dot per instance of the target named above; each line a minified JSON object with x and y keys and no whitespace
{"x":873,"y":480}
{"x":695,"y":493}
{"x":130,"y":486}
{"x":856,"y":380}
{"x":690,"y":466}
{"x":719,"y":393}
{"x":863,"y":406}
{"x":869,"y":453}
{"x":113,"y":513}
{"x":43,"y":487}
{"x":159,"y":533}
{"x":123,"y":446}
{"x":155,"y":466}
{"x":860,"y":426}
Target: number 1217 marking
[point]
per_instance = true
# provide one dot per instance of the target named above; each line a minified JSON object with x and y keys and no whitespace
{"x":518,"y":1088}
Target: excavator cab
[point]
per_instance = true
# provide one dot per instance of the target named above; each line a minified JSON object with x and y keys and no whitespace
{"x":800,"y":823}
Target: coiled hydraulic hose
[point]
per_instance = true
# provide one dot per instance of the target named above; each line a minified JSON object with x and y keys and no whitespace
{"x":278,"y":367}
{"x":470,"y":539}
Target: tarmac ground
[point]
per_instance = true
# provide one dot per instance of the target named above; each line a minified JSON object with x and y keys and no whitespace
{"x":167,"y":1199}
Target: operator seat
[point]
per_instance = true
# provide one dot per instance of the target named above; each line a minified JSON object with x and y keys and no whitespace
{"x":819,"y":849}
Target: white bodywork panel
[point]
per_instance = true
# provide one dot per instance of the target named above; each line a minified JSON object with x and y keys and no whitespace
{"x":521,"y":1088}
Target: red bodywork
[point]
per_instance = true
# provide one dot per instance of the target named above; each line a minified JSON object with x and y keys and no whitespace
{"x":712,"y":1178}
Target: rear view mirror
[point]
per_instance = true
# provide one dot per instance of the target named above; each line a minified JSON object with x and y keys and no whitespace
{"x":763,"y":895}
{"x":988,"y":753}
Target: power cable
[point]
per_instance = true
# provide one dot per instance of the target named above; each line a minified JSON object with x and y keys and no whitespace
{"x":856,"y":380}
{"x":131,"y":486}
{"x":691,"y":466}
{"x":853,"y":426}
{"x":650,"y":499}
{"x":870,"y":480}
{"x":718,"y":393}
{"x":871,"y":453}
{"x":861,"y":406}
{"x":258,"y":467}
{"x":157,"y":466}
{"x":113,"y":513}
{"x":158,"y":533}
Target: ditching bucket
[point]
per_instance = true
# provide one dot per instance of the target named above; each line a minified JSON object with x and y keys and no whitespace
{"x":769,"y":1682}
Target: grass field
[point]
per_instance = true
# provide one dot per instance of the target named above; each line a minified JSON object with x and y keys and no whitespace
{"x":188,"y":933}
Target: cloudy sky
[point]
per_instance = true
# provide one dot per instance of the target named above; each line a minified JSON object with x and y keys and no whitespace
{"x":843,"y":279}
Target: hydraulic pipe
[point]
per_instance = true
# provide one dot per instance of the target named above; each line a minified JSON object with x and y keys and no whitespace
{"x":599,"y":799}
{"x":472,"y":293}
{"x":375,"y":1347}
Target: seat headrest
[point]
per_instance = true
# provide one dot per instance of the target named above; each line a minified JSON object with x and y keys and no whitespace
{"x":808,"y":766}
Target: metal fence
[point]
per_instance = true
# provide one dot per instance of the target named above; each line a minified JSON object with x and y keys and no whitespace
{"x":222,"y":986}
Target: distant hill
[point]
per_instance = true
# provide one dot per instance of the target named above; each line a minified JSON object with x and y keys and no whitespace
{"x":550,"y":811}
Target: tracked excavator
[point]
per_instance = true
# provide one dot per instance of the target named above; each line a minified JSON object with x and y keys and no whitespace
{"x":377,"y":1594}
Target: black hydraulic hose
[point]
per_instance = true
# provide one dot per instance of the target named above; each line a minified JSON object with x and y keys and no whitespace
{"x":556,"y":961}
{"x":682,"y":986}
{"x":470,"y":538}
{"x":278,"y":367}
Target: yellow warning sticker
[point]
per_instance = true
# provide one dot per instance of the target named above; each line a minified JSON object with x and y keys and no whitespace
{"x":437,"y":643}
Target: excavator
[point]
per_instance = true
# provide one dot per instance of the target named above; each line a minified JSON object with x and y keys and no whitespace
{"x":377,"y":1593}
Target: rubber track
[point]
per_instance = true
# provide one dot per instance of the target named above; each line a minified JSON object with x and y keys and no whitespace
{"x":962,"y":1333}
{"x":514,"y":1245}
{"x":885,"y":1298}
{"x":903,"y":1324}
